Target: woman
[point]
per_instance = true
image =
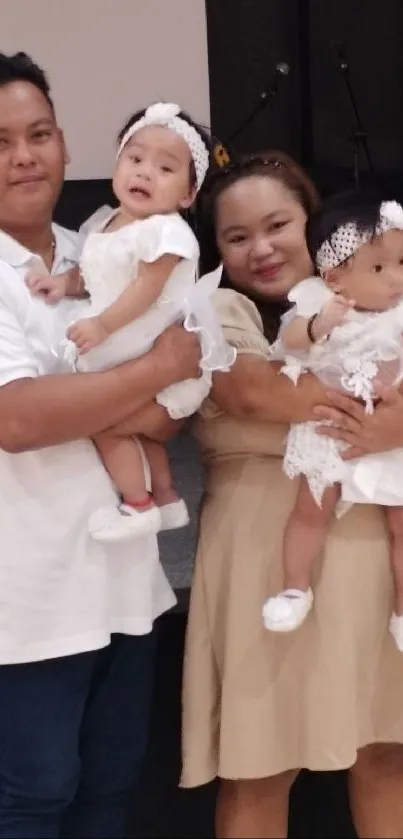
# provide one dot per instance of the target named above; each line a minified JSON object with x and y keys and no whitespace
{"x":258,"y":706}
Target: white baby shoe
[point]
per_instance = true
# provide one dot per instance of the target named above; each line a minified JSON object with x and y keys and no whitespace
{"x":174,"y":515}
{"x":396,"y":629}
{"x":120,"y":524}
{"x":287,"y":610}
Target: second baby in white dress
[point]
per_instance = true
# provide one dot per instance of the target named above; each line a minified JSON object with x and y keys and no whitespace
{"x":346,"y":327}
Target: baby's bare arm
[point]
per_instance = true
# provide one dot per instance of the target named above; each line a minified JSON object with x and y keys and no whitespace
{"x":140,"y":294}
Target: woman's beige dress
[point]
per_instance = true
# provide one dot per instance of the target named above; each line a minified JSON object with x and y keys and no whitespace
{"x":257,"y":703}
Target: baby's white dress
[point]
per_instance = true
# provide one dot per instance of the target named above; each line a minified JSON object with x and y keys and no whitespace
{"x":109,"y":263}
{"x":367,"y":346}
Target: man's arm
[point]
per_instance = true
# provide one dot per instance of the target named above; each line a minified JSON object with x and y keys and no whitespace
{"x":46,"y":411}
{"x":153,"y":421}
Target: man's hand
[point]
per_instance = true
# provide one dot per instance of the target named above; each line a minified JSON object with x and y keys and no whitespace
{"x":87,"y":334}
{"x":180,"y":350}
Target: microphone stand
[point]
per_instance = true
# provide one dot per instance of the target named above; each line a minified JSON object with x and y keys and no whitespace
{"x":266,"y":98}
{"x":357,"y":135}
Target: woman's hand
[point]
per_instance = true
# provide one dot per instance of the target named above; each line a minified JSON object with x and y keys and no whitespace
{"x":366,"y":433}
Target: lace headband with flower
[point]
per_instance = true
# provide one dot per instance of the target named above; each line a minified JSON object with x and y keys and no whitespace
{"x":166,"y":114}
{"x":346,"y":240}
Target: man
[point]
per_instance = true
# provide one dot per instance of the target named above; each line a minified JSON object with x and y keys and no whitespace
{"x":76,"y":640}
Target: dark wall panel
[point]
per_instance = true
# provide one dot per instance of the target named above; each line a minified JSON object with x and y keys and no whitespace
{"x":312,"y":114}
{"x":246,"y":39}
{"x":372,"y":33}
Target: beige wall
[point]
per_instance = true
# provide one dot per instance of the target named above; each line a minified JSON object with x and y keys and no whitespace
{"x":106,"y":58}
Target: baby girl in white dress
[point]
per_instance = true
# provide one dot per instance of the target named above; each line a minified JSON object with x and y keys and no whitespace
{"x":140,"y":270}
{"x":346,"y":326}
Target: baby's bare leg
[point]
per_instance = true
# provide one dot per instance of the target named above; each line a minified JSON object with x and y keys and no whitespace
{"x":161,"y":476}
{"x":121,"y":457}
{"x":305,"y":535}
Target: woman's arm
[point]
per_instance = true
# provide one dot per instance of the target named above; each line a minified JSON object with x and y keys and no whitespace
{"x":140,"y":294}
{"x":254,"y":389}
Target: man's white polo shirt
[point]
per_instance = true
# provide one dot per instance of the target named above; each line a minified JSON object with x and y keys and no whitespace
{"x":61,"y":593}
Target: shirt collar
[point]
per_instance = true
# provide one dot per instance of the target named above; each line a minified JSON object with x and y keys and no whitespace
{"x":16,"y":255}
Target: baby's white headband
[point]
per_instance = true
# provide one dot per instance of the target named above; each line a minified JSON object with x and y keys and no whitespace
{"x":166,"y":114}
{"x":347,"y":239}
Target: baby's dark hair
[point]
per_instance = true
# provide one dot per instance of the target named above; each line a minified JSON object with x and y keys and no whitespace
{"x":203,"y":133}
{"x":21,"y":68}
{"x":361,"y":207}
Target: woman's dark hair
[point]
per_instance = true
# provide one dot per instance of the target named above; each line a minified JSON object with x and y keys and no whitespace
{"x":272,"y":164}
{"x":20,"y":68}
{"x":183,"y":115}
{"x":362,"y":207}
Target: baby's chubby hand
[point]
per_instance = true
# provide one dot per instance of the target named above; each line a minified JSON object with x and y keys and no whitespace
{"x":332,"y":314}
{"x":87,"y":334}
{"x":51,"y":288}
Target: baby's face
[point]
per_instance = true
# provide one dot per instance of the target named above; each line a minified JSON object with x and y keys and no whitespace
{"x":373,"y":277}
{"x":152,"y":173}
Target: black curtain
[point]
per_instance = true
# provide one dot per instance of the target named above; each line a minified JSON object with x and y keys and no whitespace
{"x":311,"y":116}
{"x":245,"y":41}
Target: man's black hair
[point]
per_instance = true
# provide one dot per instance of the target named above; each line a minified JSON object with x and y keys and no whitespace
{"x":21,"y":68}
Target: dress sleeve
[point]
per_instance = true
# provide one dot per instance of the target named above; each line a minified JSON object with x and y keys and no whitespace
{"x":241,"y":323}
{"x":309,"y":297}
{"x":160,"y":235}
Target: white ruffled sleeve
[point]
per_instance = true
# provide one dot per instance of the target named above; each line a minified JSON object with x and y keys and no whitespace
{"x":169,"y":234}
{"x":309,"y":297}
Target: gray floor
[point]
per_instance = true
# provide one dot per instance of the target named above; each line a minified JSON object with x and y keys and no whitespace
{"x":178,"y":547}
